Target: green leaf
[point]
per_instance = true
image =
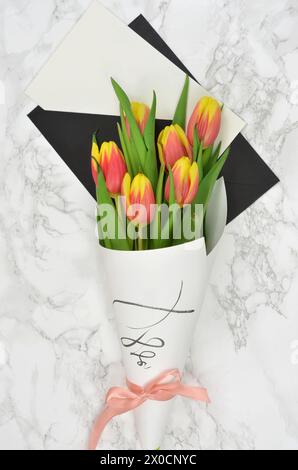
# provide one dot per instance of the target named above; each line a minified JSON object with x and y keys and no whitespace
{"x":121,"y":220}
{"x":112,"y":240}
{"x":135,"y":132}
{"x":180,"y":113}
{"x":208,"y":182}
{"x":124,"y":148}
{"x":102,"y":241}
{"x":172,"y":199}
{"x":206,"y":156}
{"x":213,"y":158}
{"x":149,"y":131}
{"x":165,"y":234}
{"x":156,"y":224}
{"x":159,"y":189}
{"x":103,"y":197}
{"x":150,"y":168}
{"x":133,"y":155}
{"x":196,"y":144}
{"x":199,"y":153}
{"x":94,"y":139}
{"x":102,"y":194}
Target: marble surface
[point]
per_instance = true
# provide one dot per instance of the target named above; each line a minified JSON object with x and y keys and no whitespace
{"x":58,"y":348}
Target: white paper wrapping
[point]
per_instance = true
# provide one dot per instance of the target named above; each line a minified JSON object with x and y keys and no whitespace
{"x":157,"y":295}
{"x":77,"y":76}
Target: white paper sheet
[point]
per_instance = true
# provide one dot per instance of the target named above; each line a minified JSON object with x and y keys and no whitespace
{"x":216,"y":215}
{"x":77,"y":76}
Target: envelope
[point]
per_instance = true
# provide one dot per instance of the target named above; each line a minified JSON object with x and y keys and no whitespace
{"x":76,"y":98}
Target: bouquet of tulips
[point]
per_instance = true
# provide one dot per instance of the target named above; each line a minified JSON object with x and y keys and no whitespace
{"x":161,"y":212}
{"x":146,"y":202}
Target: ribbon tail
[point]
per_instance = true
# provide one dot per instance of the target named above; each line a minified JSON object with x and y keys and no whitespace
{"x":196,"y":393}
{"x":100,"y":423}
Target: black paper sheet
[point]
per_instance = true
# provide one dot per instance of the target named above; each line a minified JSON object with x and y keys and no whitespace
{"x":246,"y":175}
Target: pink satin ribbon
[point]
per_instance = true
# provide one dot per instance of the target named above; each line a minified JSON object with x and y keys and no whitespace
{"x":120,"y":400}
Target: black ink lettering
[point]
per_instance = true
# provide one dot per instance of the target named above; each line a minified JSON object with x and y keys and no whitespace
{"x":143,"y":355}
{"x":151,"y":342}
{"x":142,"y":341}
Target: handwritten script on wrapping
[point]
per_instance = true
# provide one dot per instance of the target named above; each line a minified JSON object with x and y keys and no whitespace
{"x":143,"y":346}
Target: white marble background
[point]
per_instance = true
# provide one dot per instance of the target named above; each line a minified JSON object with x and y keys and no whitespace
{"x":58,"y":348}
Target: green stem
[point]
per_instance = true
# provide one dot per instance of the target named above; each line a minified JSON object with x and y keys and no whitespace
{"x":118,"y":208}
{"x":121,"y":221}
{"x":140,"y":242}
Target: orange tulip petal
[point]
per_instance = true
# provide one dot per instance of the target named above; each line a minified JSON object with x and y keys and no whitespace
{"x":191,"y":124}
{"x":141,"y":113}
{"x":94,"y":171}
{"x":140,"y":200}
{"x":167,"y":189}
{"x":181,"y":179}
{"x":186,"y":181}
{"x":193,"y":183}
{"x":207,"y":117}
{"x":113,"y":166}
{"x":173,"y":144}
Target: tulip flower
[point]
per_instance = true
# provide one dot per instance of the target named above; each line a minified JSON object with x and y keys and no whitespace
{"x":141,"y":113}
{"x":172,"y":144}
{"x":94,"y":159}
{"x":206,"y":118}
{"x":186,"y":181}
{"x":139,"y":197}
{"x":112,"y":163}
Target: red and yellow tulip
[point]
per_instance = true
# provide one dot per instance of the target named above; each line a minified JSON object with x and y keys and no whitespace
{"x":141,"y":114}
{"x":172,"y":144}
{"x":112,"y":163}
{"x":139,"y":198}
{"x":206,"y":117}
{"x":186,"y":181}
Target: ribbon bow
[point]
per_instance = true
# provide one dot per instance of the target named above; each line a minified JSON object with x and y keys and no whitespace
{"x":120,"y":400}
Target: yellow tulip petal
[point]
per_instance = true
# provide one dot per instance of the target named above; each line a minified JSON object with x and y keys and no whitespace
{"x":125,"y":187}
{"x":95,"y":149}
{"x":194,"y":183}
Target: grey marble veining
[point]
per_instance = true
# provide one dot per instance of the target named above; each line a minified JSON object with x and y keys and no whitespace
{"x":58,"y":348}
